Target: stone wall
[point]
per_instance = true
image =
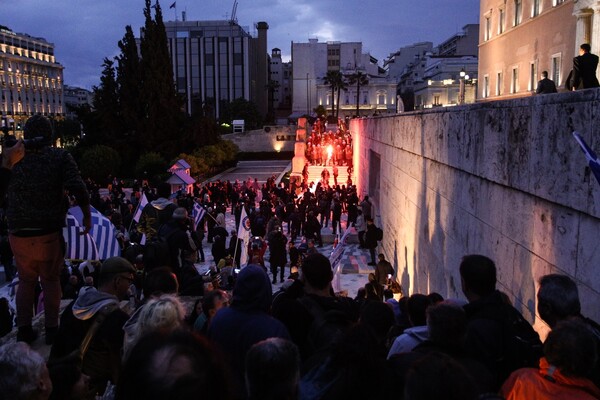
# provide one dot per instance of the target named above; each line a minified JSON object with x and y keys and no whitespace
{"x":505,"y":179}
{"x":271,"y":138}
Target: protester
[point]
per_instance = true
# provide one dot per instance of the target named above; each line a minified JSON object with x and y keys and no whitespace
{"x":23,"y":373}
{"x":36,"y":215}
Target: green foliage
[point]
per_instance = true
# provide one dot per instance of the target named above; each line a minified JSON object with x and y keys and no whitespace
{"x":68,"y":131}
{"x":359,"y":79}
{"x":98,"y":162}
{"x":197,"y":163}
{"x":241,"y":109}
{"x":320,"y":110}
{"x":151,"y":166}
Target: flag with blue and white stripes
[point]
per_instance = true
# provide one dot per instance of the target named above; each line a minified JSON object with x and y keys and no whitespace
{"x":102,"y":233}
{"x":197,"y":214}
{"x":79,"y":247}
{"x":591,"y":156}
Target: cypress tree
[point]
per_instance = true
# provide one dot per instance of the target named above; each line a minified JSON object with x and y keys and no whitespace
{"x":162,"y":106}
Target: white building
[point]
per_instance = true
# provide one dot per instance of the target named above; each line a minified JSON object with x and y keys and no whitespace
{"x":31,"y":79}
{"x":397,"y":62}
{"x":76,"y":97}
{"x":280,"y":96}
{"x":311,"y":61}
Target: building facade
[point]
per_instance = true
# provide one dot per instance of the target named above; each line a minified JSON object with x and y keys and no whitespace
{"x":31,"y":79}
{"x":519,"y":39}
{"x":219,"y":61}
{"x":76,"y":97}
{"x":310,"y":63}
{"x":444,"y":76}
{"x":446,"y":81}
{"x":280,"y":89}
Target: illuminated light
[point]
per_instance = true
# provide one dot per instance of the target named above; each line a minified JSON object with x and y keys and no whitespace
{"x":430,"y":82}
{"x":329,"y":152}
{"x":448,"y":81}
{"x":277,"y":147}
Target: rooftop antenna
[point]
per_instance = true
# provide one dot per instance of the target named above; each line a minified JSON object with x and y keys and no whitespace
{"x":233,"y":19}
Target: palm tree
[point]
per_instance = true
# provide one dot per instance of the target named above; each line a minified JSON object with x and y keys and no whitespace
{"x":359,"y":79}
{"x":342,"y":84}
{"x":334,"y":79}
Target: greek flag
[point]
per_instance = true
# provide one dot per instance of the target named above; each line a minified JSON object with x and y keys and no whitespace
{"x":79,"y":247}
{"x":102,"y":233}
{"x":197,"y":214}
{"x":591,"y":156}
{"x":140,"y":207}
{"x":336,"y":261}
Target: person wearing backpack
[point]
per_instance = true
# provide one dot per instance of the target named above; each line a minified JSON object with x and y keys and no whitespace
{"x":497,"y":334}
{"x":372,"y":236}
{"x":314,"y":316}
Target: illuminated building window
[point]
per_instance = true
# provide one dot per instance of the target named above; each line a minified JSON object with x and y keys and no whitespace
{"x":535,"y":8}
{"x":486,"y":87}
{"x":501,"y":20}
{"x":514,"y":80}
{"x":557,"y":2}
{"x":488,"y":28}
{"x":532,"y":76}
{"x":556,"y":65}
{"x":498,"y":83}
{"x":518,"y":12}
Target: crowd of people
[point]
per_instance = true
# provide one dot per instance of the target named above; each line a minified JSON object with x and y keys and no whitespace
{"x":329,"y":147}
{"x":305,"y":342}
{"x":126,"y":333}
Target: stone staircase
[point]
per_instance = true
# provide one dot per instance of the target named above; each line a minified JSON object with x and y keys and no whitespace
{"x":314,"y":174}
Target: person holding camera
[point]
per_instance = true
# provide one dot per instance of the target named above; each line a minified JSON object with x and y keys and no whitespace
{"x":36,"y":212}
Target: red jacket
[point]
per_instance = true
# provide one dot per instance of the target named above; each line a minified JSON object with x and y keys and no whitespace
{"x":547,"y":383}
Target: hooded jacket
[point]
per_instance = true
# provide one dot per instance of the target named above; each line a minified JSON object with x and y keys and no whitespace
{"x":247,"y":321}
{"x":547,"y":383}
{"x":102,"y":360}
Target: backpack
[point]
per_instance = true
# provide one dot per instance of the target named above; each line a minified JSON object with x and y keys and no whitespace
{"x":522,"y":346}
{"x":157,"y":252}
{"x":325,"y":332}
{"x":379,"y":234}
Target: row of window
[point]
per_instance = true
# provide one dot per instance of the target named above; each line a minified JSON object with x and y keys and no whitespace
{"x":517,"y":16}
{"x":554,"y":74}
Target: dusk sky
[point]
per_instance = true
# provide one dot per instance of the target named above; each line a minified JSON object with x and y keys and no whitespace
{"x":86,"y":31}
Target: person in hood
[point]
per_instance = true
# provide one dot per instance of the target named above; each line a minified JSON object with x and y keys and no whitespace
{"x":157,"y":213}
{"x":246,"y":321}
{"x":417,"y":333}
{"x":102,"y":361}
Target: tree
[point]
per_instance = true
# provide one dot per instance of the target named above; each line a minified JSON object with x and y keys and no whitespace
{"x":151,"y":166}
{"x":359,"y":79}
{"x":103,"y":126}
{"x":162,"y":106}
{"x":129,"y":76}
{"x":336,"y":81}
{"x":100,"y":162}
{"x":320,"y":110}
{"x":241,"y":108}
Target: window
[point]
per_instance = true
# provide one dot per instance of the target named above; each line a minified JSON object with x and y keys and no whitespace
{"x":557,"y":2}
{"x":381,"y":98}
{"x":436,"y":100}
{"x":498,"y":83}
{"x":501,"y":19}
{"x":487,"y":34}
{"x":518,"y":12}
{"x":486,"y":87}
{"x":535,"y":8}
{"x":514,"y":80}
{"x":556,"y":66}
{"x":532,"y":76}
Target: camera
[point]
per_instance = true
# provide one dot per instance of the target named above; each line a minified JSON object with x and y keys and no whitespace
{"x":33,"y":143}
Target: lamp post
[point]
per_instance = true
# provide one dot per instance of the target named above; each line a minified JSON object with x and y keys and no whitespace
{"x":461,"y":86}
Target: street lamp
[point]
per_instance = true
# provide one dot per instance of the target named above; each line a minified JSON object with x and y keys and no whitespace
{"x":461,"y":86}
